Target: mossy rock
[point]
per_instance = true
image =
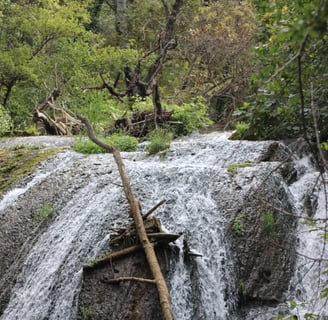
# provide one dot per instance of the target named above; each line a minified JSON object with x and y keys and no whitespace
{"x":19,"y":161}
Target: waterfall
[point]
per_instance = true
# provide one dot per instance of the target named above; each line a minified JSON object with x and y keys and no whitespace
{"x":304,"y":298}
{"x":310,"y":279}
{"x":199,"y":191}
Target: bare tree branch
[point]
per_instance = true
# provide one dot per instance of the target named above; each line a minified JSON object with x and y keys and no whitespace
{"x":120,"y":279}
{"x":148,"y":247}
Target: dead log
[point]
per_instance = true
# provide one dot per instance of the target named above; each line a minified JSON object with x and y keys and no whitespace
{"x":120,"y":279}
{"x":156,"y":239}
{"x":150,"y":86}
{"x":151,"y":225}
{"x":139,"y":124}
{"x":55,"y":120}
{"x":148,"y":247}
{"x":111,"y":257}
{"x":146,"y":215}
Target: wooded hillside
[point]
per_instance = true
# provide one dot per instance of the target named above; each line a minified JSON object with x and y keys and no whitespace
{"x":259,"y":67}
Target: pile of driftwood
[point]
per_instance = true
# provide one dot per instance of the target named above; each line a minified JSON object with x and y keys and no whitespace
{"x":55,"y":120}
{"x":141,"y":123}
{"x":125,"y":241}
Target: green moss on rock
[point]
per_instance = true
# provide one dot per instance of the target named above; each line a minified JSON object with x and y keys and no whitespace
{"x":19,"y":161}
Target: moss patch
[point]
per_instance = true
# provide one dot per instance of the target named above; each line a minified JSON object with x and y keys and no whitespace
{"x":232,"y":168}
{"x":19,"y":161}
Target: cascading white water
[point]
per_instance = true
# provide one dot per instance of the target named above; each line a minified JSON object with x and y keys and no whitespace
{"x":41,"y":173}
{"x":304,"y":298}
{"x":193,"y":178}
{"x":310,"y":278}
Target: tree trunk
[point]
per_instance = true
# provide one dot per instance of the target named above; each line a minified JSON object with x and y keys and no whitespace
{"x":121,"y":23}
{"x":163,"y":292}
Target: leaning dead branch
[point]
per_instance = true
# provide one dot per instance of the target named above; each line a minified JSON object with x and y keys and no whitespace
{"x":111,"y":257}
{"x":153,"y":209}
{"x":147,"y":245}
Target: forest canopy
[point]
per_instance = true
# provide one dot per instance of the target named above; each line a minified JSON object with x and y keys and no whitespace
{"x":259,"y":66}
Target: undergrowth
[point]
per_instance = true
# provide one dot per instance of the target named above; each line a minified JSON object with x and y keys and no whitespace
{"x":123,"y":142}
{"x":160,"y":140}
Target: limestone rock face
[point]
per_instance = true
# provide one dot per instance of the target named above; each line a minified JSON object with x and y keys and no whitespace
{"x":260,"y":208}
{"x":126,"y":300}
{"x":231,"y":200}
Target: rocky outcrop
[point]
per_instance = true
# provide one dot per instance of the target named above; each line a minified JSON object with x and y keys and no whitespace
{"x":231,"y":200}
{"x":262,"y":225}
{"x":130,"y":300}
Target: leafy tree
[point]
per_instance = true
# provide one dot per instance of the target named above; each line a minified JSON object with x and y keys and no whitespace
{"x":214,"y":49}
{"x":211,"y":54}
{"x":69,"y":45}
{"x":290,"y":85}
{"x":41,"y":45}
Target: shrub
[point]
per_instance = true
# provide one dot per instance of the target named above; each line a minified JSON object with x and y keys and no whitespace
{"x":5,"y":121}
{"x":240,"y":130}
{"x":124,"y":143}
{"x":45,"y":213}
{"x":159,"y":140}
{"x":192,"y":116}
{"x":269,"y":224}
{"x":237,"y":225}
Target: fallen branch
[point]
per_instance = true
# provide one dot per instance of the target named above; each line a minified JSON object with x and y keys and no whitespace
{"x":156,"y":238}
{"x":120,"y":279}
{"x":112,"y":256}
{"x":146,"y":215}
{"x":148,"y":247}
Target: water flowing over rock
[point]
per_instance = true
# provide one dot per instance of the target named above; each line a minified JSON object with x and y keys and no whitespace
{"x":235,"y":202}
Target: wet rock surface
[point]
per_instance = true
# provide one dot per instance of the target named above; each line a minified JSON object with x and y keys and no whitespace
{"x":234,"y":216}
{"x":45,"y":141}
{"x":131,"y":300}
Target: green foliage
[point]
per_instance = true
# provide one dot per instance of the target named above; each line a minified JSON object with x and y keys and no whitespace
{"x":5,"y":122}
{"x":294,"y":304}
{"x":232,"y":168}
{"x":48,"y":44}
{"x":289,"y":33}
{"x":192,"y":116}
{"x":160,"y":140}
{"x":45,"y":213}
{"x":86,"y":313}
{"x":309,"y":316}
{"x":324,"y":145}
{"x":43,"y":44}
{"x":237,"y":225}
{"x":242,"y":288}
{"x":19,"y":161}
{"x":220,"y":72}
{"x":241,"y":129}
{"x":124,"y":143}
{"x":269,"y":224}
{"x":32,"y":130}
{"x":324,"y":293}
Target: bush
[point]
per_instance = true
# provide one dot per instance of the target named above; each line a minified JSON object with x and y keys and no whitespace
{"x":45,"y":213}
{"x":269,"y":224}
{"x":240,"y":130}
{"x":159,"y":140}
{"x":192,"y":116}
{"x":5,"y":121}
{"x":124,"y":143}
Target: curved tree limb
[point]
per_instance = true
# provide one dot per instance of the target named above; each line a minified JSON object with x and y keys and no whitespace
{"x":148,"y":247}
